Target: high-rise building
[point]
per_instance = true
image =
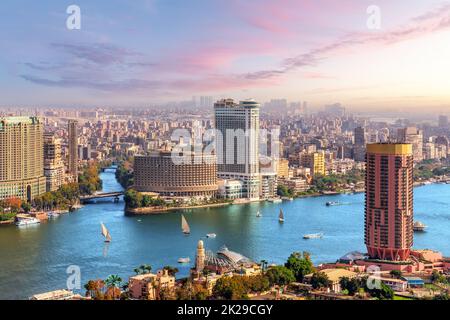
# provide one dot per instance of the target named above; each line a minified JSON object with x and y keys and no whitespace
{"x":73,"y":148}
{"x":315,"y":161}
{"x":359,"y":149}
{"x":283,"y":168}
{"x":238,"y":147}
{"x":413,"y":136}
{"x":53,"y":165}
{"x":389,"y":201}
{"x":21,"y":158}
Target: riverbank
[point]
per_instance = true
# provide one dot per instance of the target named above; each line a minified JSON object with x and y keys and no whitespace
{"x":161,"y":210}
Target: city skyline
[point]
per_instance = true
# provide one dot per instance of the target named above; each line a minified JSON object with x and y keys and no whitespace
{"x":155,"y":51}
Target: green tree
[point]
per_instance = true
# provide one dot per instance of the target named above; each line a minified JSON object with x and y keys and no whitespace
{"x":133,"y":199}
{"x":171,"y":270}
{"x":352,"y":285}
{"x":26,"y":207}
{"x":113,"y":282}
{"x":320,"y":280}
{"x":229,"y":288}
{"x":383,"y":293}
{"x":280,"y":275}
{"x":300,"y":265}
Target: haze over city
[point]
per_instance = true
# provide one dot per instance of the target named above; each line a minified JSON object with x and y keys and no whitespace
{"x":147,"y":52}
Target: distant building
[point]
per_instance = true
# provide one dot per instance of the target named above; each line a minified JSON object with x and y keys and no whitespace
{"x":335,"y":276}
{"x":21,"y":158}
{"x":238,"y":148}
{"x":53,"y":164}
{"x":73,"y":148}
{"x":359,"y":149}
{"x":57,"y":295}
{"x":148,"y":286}
{"x":158,"y":172}
{"x":314,"y":161}
{"x":389,"y":201}
{"x":413,"y":136}
{"x":230,"y":189}
{"x":224,"y":261}
{"x":283,"y":168}
{"x":297,"y":185}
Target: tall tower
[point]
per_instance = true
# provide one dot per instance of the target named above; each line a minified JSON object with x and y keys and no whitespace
{"x":200,"y":257}
{"x":21,"y":158}
{"x":389,"y":201}
{"x":238,"y":147}
{"x":73,"y":148}
{"x":53,"y":165}
{"x":359,"y":149}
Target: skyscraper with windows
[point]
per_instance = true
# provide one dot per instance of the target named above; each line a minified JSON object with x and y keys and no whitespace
{"x":53,"y":165}
{"x":73,"y":148}
{"x":413,"y":136}
{"x":359,"y":149}
{"x":237,"y":143}
{"x":389,"y":201}
{"x":21,"y":158}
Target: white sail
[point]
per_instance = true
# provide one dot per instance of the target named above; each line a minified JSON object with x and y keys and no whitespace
{"x":281,"y":217}
{"x":105,"y":233}
{"x":185,"y":225}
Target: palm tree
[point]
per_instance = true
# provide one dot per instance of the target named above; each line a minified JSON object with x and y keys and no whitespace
{"x":171,"y":270}
{"x":113,"y":281}
{"x":143,"y":269}
{"x":146,"y":268}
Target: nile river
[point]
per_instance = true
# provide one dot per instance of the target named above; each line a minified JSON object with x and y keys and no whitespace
{"x":34,"y":259}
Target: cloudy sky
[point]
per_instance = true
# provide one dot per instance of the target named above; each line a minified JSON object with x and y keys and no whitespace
{"x":144,"y":51}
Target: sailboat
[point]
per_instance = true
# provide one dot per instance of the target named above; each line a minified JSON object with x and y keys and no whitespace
{"x":184,"y":225}
{"x":105,"y":233}
{"x":281,"y":216}
{"x":258,"y":214}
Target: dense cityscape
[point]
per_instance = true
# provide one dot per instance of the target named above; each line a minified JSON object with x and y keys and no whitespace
{"x":225,"y":158}
{"x":52,"y":161}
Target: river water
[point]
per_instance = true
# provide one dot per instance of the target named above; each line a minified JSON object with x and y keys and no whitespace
{"x":35,"y":259}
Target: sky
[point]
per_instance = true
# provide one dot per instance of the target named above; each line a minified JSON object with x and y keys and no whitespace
{"x":140,"y":52}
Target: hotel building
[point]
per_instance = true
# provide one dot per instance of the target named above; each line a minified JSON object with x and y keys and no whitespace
{"x":389,"y":201}
{"x":238,"y":146}
{"x":21,"y":158}
{"x":158,"y":172}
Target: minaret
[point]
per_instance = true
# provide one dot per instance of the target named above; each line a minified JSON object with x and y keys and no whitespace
{"x":200,"y":258}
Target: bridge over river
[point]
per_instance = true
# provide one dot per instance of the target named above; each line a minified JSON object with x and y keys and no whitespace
{"x":102,"y":195}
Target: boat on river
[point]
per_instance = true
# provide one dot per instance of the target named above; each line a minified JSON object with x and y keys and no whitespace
{"x":185,"y":226}
{"x":419,"y":226}
{"x":105,"y":233}
{"x":313,"y":236}
{"x":275,"y":200}
{"x":27,"y":221}
{"x":281,"y":216}
{"x":184,"y":260}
